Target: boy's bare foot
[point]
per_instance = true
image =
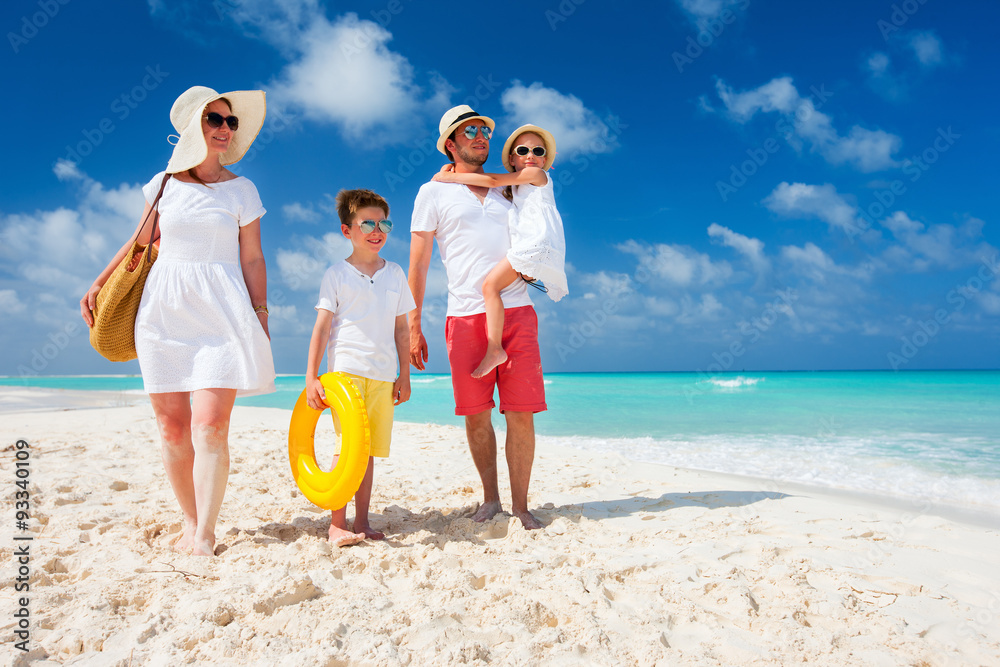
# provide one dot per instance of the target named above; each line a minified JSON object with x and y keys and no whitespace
{"x":368,"y":531}
{"x":342,"y":538}
{"x":487,"y":511}
{"x":494,"y":357}
{"x":528,"y":520}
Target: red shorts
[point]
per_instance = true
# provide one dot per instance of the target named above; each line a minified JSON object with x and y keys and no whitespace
{"x":519,"y":379}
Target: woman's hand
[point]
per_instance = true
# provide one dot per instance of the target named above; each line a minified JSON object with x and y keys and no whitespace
{"x":88,"y":303}
{"x":262,"y":318}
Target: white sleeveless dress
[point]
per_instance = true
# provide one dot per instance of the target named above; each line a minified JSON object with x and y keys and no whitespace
{"x":196,"y":328}
{"x":537,"y":243}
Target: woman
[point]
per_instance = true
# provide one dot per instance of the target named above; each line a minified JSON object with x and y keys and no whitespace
{"x":201,"y":331}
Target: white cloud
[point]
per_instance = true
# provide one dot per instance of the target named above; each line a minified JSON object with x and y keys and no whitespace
{"x":775,"y":95}
{"x":345,"y":74}
{"x":878,"y":64}
{"x":679,"y":265}
{"x":296,"y":212}
{"x":882,"y":79}
{"x":705,"y":12}
{"x":922,"y":248}
{"x":800,"y":200}
{"x":9,"y":303}
{"x":340,"y":71}
{"x":927,"y":47}
{"x":811,"y":261}
{"x":867,"y":150}
{"x":752,"y":249}
{"x":576,"y":128}
{"x":302,"y":268}
{"x":64,"y":248}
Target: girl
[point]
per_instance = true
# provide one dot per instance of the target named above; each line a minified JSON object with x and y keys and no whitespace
{"x":538,"y":247}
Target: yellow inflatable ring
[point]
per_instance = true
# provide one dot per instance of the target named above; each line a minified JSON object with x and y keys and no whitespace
{"x":330,"y":490}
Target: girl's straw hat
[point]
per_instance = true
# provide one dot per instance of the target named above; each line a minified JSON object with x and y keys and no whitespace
{"x":454,"y":117}
{"x":547,"y":139}
{"x":190,"y":150}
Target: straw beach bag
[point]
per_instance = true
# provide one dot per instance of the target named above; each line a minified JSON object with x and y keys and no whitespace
{"x":113,"y":333}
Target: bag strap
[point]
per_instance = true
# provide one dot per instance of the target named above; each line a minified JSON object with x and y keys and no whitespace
{"x":152,"y":209}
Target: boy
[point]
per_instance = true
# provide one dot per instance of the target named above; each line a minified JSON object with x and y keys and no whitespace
{"x":361,"y":322}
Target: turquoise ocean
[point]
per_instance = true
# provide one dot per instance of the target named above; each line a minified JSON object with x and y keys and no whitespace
{"x":920,"y":436}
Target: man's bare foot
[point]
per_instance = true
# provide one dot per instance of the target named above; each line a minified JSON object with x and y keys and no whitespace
{"x":342,"y":538}
{"x":494,"y":357}
{"x":368,"y":531}
{"x":204,"y":547}
{"x":487,"y":511}
{"x":528,"y":520}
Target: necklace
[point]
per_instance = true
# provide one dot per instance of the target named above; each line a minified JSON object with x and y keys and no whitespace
{"x":217,"y":178}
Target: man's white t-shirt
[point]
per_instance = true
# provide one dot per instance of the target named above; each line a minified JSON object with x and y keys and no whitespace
{"x":472,"y":237}
{"x":362,"y":335}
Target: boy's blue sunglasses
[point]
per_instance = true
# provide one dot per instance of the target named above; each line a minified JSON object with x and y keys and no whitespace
{"x":471,"y":130}
{"x":368,"y":226}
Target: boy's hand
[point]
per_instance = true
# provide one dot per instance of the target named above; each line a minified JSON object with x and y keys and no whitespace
{"x":315,"y":395}
{"x":401,"y":390}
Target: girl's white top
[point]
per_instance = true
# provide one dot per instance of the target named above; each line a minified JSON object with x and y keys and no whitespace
{"x":196,"y":328}
{"x":537,"y":244}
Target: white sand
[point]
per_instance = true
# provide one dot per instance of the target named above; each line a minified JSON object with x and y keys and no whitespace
{"x":637,"y":565}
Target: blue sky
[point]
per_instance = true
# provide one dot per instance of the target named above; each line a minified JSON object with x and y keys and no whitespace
{"x":745,"y":185}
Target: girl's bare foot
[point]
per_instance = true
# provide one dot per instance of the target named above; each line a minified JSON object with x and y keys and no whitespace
{"x":494,"y":357}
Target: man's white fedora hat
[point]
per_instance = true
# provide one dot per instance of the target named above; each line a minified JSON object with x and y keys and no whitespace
{"x":454,"y":117}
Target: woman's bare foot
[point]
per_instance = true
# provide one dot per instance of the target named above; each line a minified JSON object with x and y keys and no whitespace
{"x":487,"y":511}
{"x":186,"y":541}
{"x":340,"y":537}
{"x":368,"y":531}
{"x":528,"y":520}
{"x":494,"y":357}
{"x":204,"y":547}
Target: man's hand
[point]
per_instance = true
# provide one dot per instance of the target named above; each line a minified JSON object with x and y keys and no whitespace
{"x":418,"y":348}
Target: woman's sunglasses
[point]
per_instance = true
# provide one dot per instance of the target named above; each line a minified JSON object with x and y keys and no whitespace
{"x":537,"y":151}
{"x":216,"y":120}
{"x":471,"y":130}
{"x":368,"y":226}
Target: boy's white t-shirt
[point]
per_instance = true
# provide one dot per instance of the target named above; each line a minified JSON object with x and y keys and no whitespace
{"x":472,"y":237}
{"x":362,"y":335}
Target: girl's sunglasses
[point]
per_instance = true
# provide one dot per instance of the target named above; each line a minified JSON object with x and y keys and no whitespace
{"x":537,"y":151}
{"x":216,"y":120}
{"x":471,"y":130}
{"x":368,"y":226}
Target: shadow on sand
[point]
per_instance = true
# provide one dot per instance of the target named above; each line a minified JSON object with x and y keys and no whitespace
{"x":456,"y":524}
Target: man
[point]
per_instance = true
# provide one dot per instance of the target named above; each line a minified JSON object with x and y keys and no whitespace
{"x":470,"y":225}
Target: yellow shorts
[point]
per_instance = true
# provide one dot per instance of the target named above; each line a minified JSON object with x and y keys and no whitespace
{"x":377,"y":395}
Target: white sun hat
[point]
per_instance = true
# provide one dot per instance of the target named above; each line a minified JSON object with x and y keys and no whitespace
{"x":454,"y":117}
{"x":185,"y":115}
{"x":547,"y":139}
